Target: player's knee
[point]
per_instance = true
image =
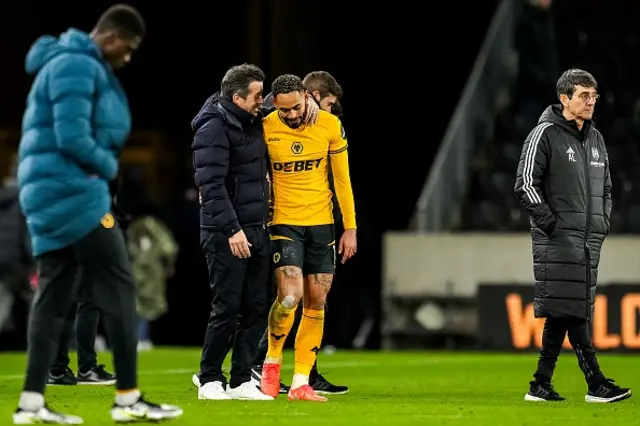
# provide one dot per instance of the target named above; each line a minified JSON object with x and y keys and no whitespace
{"x":289,"y":301}
{"x":316,"y":300}
{"x":319,"y":286}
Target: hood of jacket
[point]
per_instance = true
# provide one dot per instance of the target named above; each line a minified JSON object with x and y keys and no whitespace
{"x":208,"y":110}
{"x":216,"y":105}
{"x":47,"y":47}
{"x":553,"y":114}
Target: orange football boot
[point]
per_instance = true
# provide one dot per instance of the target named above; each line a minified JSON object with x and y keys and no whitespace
{"x":305,"y":393}
{"x":270,"y":379}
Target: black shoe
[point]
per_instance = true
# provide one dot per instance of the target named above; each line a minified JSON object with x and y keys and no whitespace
{"x":324,"y":387}
{"x":256,"y":375}
{"x":607,"y":391}
{"x":542,"y":391}
{"x":96,"y":376}
{"x":64,"y":378}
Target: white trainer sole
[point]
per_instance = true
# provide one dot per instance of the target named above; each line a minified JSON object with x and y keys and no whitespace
{"x":598,"y":400}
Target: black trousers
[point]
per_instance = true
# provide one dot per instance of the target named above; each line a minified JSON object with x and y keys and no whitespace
{"x":239,"y":305}
{"x":102,"y":259}
{"x":579,"y":330}
{"x":81,"y":327}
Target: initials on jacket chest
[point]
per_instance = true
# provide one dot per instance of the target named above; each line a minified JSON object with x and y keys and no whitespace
{"x":576,"y":164}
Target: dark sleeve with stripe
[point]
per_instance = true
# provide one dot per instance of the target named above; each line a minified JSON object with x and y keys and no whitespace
{"x":607,"y":189}
{"x":531,"y":170}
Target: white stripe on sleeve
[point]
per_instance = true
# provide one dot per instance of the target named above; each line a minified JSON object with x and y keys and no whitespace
{"x":529,"y":163}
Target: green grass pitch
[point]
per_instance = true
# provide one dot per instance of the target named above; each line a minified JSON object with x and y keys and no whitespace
{"x":387,"y":388}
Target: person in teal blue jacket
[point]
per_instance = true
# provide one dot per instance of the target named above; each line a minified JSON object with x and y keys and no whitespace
{"x":75,"y":125}
{"x":77,"y":121}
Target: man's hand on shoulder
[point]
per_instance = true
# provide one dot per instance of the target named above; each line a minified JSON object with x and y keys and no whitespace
{"x":240,"y":245}
{"x":311,"y":111}
{"x":348,"y":244}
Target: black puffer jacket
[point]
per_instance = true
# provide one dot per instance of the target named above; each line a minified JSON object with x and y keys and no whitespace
{"x":229,"y":155}
{"x":564,"y":183}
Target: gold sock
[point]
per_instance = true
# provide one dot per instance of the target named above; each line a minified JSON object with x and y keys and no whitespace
{"x":280,"y":323}
{"x":308,"y":340}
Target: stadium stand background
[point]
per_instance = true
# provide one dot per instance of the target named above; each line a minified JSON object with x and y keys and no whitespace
{"x":461,"y":274}
{"x":548,"y":42}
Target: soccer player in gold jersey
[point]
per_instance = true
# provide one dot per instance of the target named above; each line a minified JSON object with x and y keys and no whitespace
{"x":303,"y":245}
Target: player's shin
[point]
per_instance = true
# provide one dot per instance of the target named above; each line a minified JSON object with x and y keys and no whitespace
{"x":308,"y":340}
{"x":281,"y":319}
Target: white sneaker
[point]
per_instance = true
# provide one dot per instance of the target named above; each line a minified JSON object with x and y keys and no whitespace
{"x":195,"y":380}
{"x":213,"y":391}
{"x":247,"y":391}
{"x":254,"y":382}
{"x":144,"y":411}
{"x":145,"y":345}
{"x":100,"y":344}
{"x":44,"y":415}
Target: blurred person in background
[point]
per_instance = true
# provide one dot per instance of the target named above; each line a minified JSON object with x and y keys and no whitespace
{"x":16,"y":261}
{"x":563,"y":181}
{"x":81,"y":327}
{"x":75,"y":125}
{"x":153,"y":251}
{"x":324,"y":89}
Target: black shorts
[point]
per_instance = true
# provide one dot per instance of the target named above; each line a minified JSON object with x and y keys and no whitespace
{"x":311,"y":248}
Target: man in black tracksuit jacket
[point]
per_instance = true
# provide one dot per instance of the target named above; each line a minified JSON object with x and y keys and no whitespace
{"x":230,"y":162}
{"x":563,"y":181}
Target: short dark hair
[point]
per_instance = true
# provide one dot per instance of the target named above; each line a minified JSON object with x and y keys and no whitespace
{"x":123,"y":19}
{"x":574,"y":77}
{"x":286,"y":83}
{"x":237,"y":79}
{"x":323,"y":82}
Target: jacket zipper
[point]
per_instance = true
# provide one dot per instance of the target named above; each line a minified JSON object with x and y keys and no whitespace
{"x":586,"y":226}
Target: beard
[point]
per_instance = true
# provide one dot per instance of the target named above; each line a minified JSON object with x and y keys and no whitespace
{"x":293,"y":123}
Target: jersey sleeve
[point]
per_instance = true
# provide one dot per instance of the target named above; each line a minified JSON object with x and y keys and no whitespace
{"x":341,"y":177}
{"x":338,"y":141}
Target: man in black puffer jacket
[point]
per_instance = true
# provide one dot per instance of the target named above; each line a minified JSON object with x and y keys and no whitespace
{"x":230,"y":162}
{"x":564,"y":183}
{"x":231,"y":165}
